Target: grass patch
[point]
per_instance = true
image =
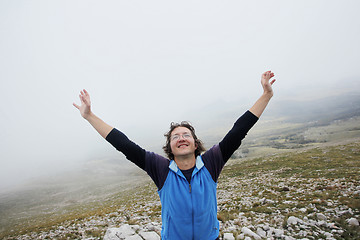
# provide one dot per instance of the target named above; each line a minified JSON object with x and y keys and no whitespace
{"x":331,"y":162}
{"x":225,"y":216}
{"x":351,"y":202}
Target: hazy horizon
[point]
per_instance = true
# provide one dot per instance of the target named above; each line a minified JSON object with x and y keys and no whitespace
{"x":147,"y":64}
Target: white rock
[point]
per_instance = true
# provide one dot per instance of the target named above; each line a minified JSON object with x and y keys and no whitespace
{"x":250,"y":233}
{"x":332,"y":226}
{"x":292,"y":220}
{"x":303,"y":210}
{"x":150,"y":227}
{"x":266,"y":227}
{"x":231,"y":229}
{"x":328,"y":235}
{"x":149,"y":235}
{"x":118,"y":233}
{"x":312,"y":222}
{"x":320,"y":216}
{"x":278,"y":233}
{"x":341,"y":212}
{"x":353,"y":222}
{"x":302,"y":233}
{"x":113,"y":234}
{"x":228,"y":236}
{"x":240,"y":236}
{"x":322,"y":223}
{"x":350,"y":211}
{"x":261,"y":232}
{"x":270,"y":232}
{"x":134,"y":237}
{"x":289,"y":238}
{"x":247,"y":238}
{"x":135,"y":227}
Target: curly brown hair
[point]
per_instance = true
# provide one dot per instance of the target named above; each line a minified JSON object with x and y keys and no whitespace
{"x":198,"y":143}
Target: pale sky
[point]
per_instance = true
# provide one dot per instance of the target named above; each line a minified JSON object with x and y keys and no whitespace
{"x":147,"y":63}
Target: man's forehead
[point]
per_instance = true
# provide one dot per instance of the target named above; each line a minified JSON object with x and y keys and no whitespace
{"x":179,"y":130}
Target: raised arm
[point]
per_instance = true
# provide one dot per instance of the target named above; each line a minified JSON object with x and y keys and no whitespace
{"x":258,"y":108}
{"x":116,"y":138}
{"x":233,"y":138}
{"x":85,"y":110}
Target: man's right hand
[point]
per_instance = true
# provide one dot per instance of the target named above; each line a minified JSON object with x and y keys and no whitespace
{"x":267,"y":82}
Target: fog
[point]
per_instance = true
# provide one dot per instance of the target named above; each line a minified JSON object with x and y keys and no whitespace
{"x":148,"y":63}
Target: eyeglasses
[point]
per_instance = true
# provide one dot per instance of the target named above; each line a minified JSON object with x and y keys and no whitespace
{"x":176,"y":137}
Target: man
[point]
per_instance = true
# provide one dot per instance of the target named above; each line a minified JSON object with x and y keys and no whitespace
{"x":187,"y":180}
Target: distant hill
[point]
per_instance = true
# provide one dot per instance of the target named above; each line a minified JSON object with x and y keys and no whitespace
{"x":217,"y":119}
{"x":323,"y":110}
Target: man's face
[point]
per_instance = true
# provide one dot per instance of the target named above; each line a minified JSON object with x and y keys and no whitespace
{"x":182,"y":142}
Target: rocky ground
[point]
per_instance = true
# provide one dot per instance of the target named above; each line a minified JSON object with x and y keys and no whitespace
{"x":313,"y":194}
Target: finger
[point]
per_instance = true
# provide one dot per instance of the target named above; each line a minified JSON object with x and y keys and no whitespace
{"x":272,"y":81}
{"x":81,"y":98}
{"x":268,"y":75}
{"x":77,"y":106}
{"x":84,"y":100}
{"x":86,"y":93}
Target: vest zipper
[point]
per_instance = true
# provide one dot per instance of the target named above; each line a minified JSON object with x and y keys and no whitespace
{"x":192,"y":213}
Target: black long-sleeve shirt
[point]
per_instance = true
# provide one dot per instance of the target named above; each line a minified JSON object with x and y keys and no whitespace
{"x":157,"y":166}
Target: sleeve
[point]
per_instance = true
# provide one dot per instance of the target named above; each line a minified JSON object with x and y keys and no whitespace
{"x":213,"y":161}
{"x":157,"y":167}
{"x":231,"y":142}
{"x":132,"y":151}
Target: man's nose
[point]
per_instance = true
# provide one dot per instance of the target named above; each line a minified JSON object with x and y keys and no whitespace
{"x":181,"y":137}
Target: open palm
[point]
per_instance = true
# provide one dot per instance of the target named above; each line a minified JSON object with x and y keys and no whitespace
{"x":85,"y":107}
{"x":266,"y":83}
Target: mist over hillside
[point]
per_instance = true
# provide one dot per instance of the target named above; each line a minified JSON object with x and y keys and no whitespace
{"x":109,"y":171}
{"x":284,"y":126}
{"x":281,"y":111}
{"x":323,"y":110}
{"x":64,"y":192}
{"x":211,"y":125}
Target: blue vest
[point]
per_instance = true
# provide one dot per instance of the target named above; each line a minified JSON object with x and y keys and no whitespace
{"x":189,"y":211}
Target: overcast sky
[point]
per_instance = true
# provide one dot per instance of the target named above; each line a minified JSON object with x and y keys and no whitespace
{"x":147,"y":63}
